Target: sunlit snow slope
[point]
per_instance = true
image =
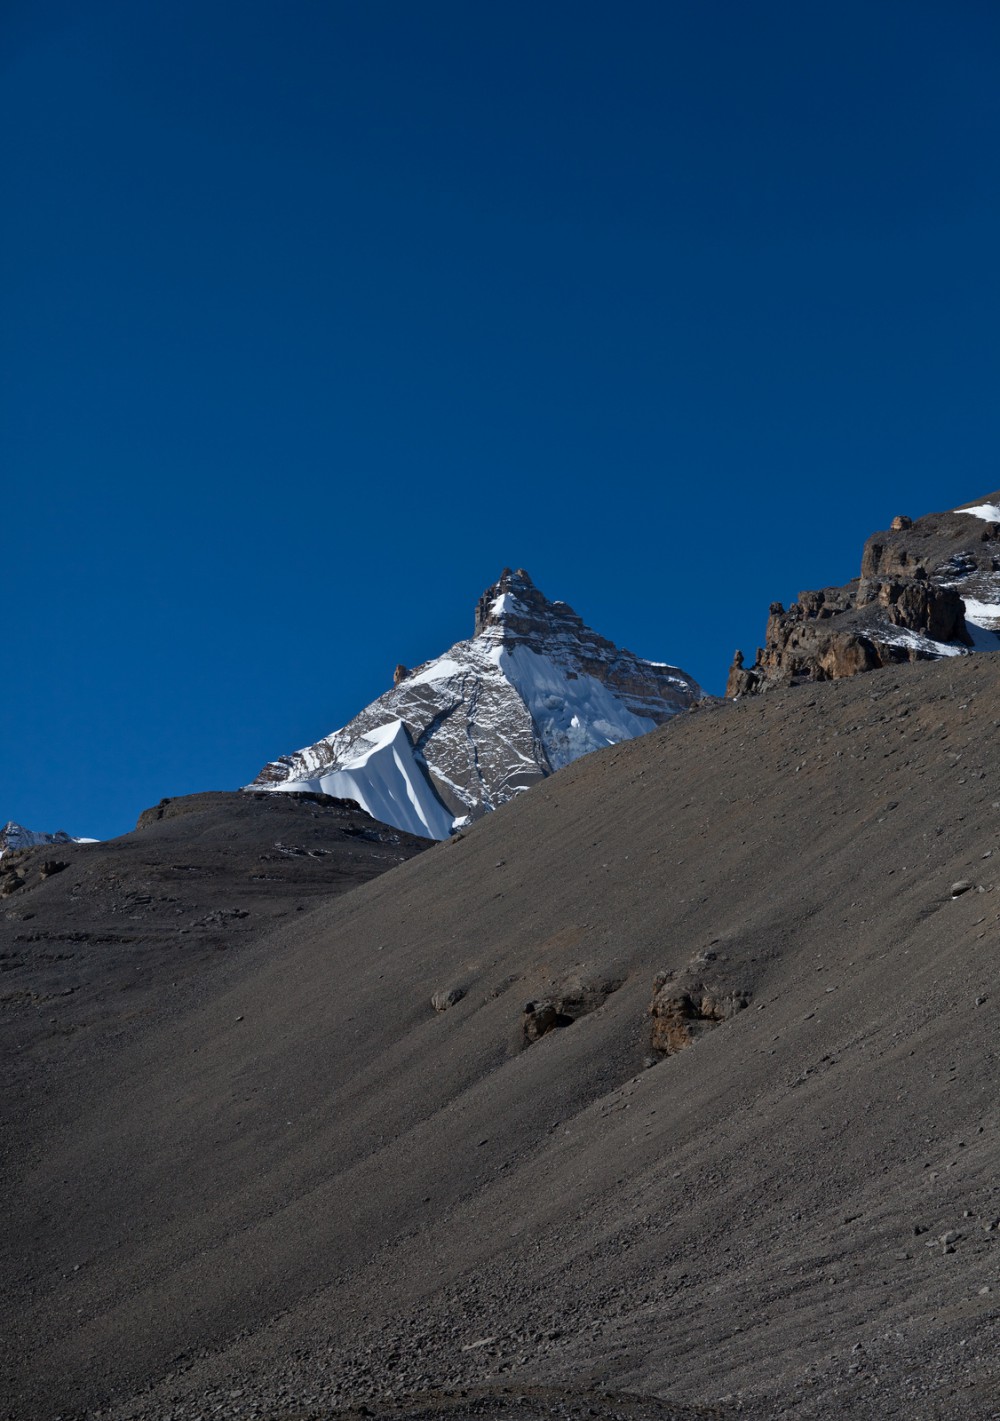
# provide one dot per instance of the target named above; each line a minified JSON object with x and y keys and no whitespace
{"x":531,"y":691}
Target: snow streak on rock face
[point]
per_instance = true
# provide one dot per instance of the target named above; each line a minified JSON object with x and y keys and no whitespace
{"x":531,"y":691}
{"x":977,"y":579}
{"x":16,"y":836}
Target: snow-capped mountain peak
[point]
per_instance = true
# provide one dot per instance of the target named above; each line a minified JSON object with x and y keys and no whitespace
{"x":16,"y":836}
{"x":533,"y":689}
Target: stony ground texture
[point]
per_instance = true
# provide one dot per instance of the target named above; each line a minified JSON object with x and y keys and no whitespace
{"x":97,"y":941}
{"x":298,"y":1190}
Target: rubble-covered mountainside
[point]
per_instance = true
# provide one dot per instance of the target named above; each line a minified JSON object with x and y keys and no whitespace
{"x":106,"y":934}
{"x":16,"y":836}
{"x":531,"y":691}
{"x":928,"y":588}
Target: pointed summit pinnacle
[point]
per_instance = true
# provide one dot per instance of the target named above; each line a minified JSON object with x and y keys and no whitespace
{"x":512,"y":593}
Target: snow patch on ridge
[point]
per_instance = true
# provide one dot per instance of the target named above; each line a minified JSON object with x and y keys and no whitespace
{"x":383,"y":776}
{"x":982,"y":619}
{"x":983,"y":614}
{"x":903,"y":636}
{"x":988,"y":512}
{"x":438,"y":670}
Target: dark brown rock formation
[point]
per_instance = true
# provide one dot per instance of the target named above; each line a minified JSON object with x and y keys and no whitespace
{"x":10,"y":882}
{"x":539,"y":1019}
{"x":567,"y":1001}
{"x":684,"y":1008}
{"x":907,"y":605}
{"x":915,"y":602}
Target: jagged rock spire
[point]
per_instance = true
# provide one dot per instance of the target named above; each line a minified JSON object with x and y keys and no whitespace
{"x":517,"y":586}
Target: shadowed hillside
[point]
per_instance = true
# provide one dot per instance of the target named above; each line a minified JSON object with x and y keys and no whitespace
{"x":302,"y":1187}
{"x":99,"y":941}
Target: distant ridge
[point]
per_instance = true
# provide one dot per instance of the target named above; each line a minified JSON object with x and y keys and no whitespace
{"x":16,"y":836}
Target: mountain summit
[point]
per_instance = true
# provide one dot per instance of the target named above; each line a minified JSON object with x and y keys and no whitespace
{"x":16,"y":836}
{"x":532,"y":690}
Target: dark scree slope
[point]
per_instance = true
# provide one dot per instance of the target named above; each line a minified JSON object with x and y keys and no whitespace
{"x":302,"y":1187}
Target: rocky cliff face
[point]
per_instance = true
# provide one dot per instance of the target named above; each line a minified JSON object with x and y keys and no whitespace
{"x":533,"y":689}
{"x":928,"y":588}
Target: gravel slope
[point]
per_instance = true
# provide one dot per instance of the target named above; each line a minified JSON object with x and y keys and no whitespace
{"x":299,"y":1188}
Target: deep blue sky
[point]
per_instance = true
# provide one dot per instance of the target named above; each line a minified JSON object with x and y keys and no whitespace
{"x":315,"y":315}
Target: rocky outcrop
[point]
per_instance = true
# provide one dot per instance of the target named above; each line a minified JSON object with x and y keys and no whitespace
{"x":566,"y":1001}
{"x":927,"y":589}
{"x":540,"y":1018}
{"x":918,"y":604}
{"x":447,"y":997}
{"x":10,"y":880}
{"x":686,"y":1006}
{"x":16,"y":866}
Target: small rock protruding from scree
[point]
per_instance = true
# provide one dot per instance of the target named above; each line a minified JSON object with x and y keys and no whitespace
{"x":539,"y":1019}
{"x":686,"y":1005}
{"x":400,"y":674}
{"x":680,"y":1017}
{"x":962,"y":885}
{"x":442,"y":1000}
{"x":51,"y":867}
{"x":569,"y":999}
{"x":900,"y":523}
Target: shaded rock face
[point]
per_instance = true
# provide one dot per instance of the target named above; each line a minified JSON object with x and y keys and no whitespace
{"x":917,"y":604}
{"x":928,"y":588}
{"x":532,"y":690}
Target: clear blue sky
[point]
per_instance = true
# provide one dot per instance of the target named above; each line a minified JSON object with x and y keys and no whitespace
{"x":317,"y":314}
